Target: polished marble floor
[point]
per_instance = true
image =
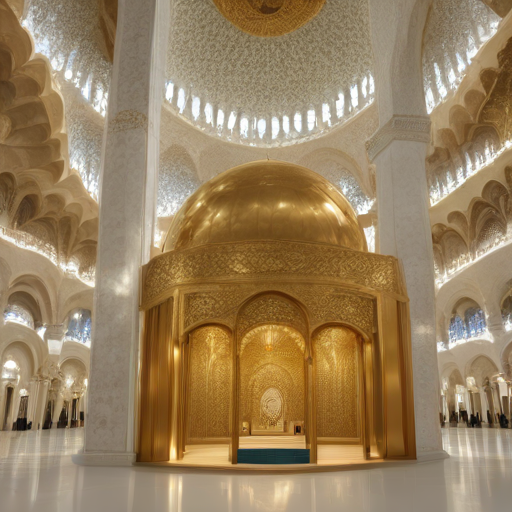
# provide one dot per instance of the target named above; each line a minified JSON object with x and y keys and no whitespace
{"x":36,"y":473}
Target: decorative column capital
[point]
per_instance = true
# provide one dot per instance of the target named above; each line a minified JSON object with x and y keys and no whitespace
{"x":411,"y":128}
{"x":54,"y":337}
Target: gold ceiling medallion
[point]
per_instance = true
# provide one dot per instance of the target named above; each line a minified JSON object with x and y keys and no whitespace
{"x":269,"y":18}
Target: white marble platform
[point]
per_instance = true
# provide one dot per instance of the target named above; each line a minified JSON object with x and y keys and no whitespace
{"x":36,"y":473}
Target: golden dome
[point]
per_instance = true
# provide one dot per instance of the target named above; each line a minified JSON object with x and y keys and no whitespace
{"x":266,"y":200}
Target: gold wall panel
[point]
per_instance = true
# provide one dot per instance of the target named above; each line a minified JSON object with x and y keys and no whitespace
{"x":268,"y":18}
{"x":282,"y":368}
{"x":156,"y":384}
{"x":209,"y":385}
{"x":273,"y":261}
{"x":336,"y":382}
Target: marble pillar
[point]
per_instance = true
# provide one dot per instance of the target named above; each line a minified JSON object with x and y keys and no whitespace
{"x":70,"y":412}
{"x":42,"y":402}
{"x":399,"y":151}
{"x":57,"y":409}
{"x":127,"y":209}
{"x":32,"y":401}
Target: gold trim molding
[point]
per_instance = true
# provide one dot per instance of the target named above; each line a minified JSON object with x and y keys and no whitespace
{"x":268,"y":260}
{"x":269,"y":18}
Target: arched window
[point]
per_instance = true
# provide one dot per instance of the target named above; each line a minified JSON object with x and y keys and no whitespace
{"x":79,"y":326}
{"x":18,"y":314}
{"x":10,"y":369}
{"x":506,"y":312}
{"x":457,"y":329}
{"x":475,"y":322}
{"x":467,"y":321}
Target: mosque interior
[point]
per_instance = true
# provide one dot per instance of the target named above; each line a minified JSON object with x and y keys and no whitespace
{"x":265,"y":236}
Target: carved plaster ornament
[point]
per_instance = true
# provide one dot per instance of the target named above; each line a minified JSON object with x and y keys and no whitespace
{"x":52,"y":212}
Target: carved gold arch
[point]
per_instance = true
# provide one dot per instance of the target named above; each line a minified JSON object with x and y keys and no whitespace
{"x":270,"y":308}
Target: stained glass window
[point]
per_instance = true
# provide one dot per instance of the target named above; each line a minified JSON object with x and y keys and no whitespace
{"x":506,"y":313}
{"x":472,"y":326}
{"x":475,"y":322}
{"x":18,"y":314}
{"x":457,"y":329}
{"x":79,"y":326}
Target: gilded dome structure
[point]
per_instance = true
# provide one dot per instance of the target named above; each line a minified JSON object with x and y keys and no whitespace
{"x":266,"y":200}
{"x":275,"y":308}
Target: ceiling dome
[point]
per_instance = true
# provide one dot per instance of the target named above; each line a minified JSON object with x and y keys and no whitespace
{"x":269,"y":91}
{"x":266,"y":200}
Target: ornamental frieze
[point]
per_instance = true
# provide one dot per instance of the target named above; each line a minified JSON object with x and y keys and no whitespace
{"x":267,"y":260}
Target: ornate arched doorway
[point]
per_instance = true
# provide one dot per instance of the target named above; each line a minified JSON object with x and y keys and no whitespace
{"x":272,"y":380}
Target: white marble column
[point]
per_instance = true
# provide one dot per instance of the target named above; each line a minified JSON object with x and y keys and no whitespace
{"x":42,"y":403}
{"x":398,"y":150}
{"x":33,"y":388}
{"x":70,"y":411}
{"x":127,"y":209}
{"x":57,"y":409}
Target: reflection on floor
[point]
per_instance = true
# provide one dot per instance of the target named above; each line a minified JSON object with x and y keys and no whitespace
{"x":36,"y":473}
{"x":24,"y":452}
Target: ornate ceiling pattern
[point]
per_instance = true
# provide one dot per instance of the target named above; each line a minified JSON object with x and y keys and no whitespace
{"x":69,"y":34}
{"x":177,"y":180}
{"x":77,"y":38}
{"x":43,"y":205}
{"x":257,"y":90}
{"x":478,"y":132}
{"x":454,"y":33}
{"x":471,"y":234}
